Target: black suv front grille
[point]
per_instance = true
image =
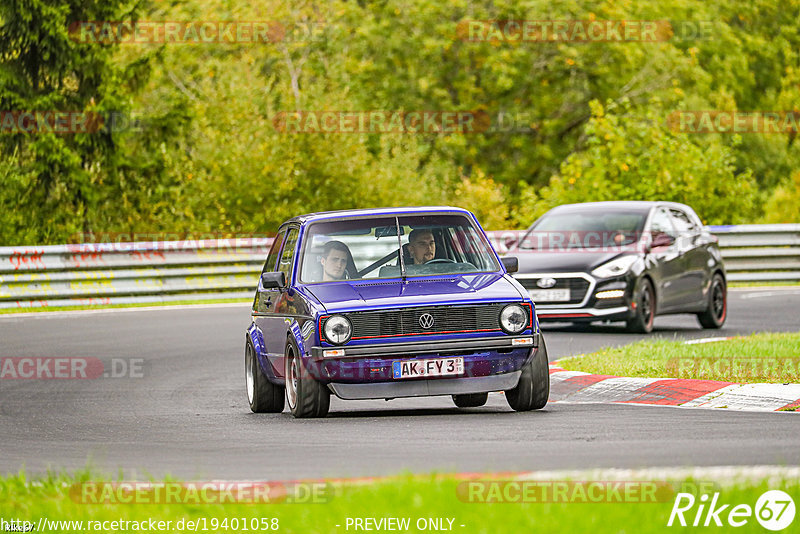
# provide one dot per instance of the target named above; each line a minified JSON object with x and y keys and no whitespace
{"x":577,"y":288}
{"x":406,"y":321}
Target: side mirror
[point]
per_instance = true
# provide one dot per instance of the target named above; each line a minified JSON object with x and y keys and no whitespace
{"x":511,"y":263}
{"x":273,"y":280}
{"x":662,"y":240}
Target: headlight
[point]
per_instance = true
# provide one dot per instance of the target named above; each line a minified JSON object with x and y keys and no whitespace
{"x":338,"y":329}
{"x":513,"y":319}
{"x":615,"y":267}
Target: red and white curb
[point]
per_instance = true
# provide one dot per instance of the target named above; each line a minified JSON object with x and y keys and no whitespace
{"x":580,"y":387}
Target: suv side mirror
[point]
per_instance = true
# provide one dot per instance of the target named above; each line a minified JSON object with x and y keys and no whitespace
{"x":273,"y":280}
{"x":662,"y":240}
{"x":511,"y":263}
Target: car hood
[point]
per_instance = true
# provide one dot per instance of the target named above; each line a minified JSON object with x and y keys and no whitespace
{"x":456,"y":289}
{"x":543,"y":261}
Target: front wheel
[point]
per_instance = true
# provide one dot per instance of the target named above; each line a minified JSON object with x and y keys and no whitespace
{"x":533,"y":388}
{"x":645,"y":311}
{"x":714,"y":316}
{"x":470,"y":400}
{"x":306,"y":396}
{"x":263,"y":395}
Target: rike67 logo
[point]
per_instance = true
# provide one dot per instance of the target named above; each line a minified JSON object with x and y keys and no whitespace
{"x":774,"y":510}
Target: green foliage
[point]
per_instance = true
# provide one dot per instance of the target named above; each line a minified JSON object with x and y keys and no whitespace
{"x":783,"y":206}
{"x":207,"y":157}
{"x":631,"y":158}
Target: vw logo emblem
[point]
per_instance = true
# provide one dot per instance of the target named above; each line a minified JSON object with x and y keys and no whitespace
{"x":545,"y":283}
{"x":426,"y":320}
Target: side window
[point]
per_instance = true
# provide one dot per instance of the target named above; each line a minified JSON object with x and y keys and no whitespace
{"x":287,"y":256}
{"x":661,"y":224}
{"x":272,"y":257}
{"x":683,"y":224}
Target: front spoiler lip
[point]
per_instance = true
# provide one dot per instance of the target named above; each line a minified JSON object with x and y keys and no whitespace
{"x":426,"y":388}
{"x":568,"y":313}
{"x":425,"y":347}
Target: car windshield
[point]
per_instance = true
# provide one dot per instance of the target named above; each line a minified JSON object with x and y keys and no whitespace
{"x":367,"y":248}
{"x":587,"y":228}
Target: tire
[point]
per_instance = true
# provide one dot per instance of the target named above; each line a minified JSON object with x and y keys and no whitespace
{"x":263,"y":395}
{"x":533,"y":388}
{"x":471,"y":400}
{"x":306,"y":397}
{"x":717,"y":311}
{"x":645,"y":313}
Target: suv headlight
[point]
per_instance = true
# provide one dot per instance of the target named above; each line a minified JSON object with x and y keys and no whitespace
{"x":615,"y":267}
{"x":338,"y":329}
{"x":513,"y":319}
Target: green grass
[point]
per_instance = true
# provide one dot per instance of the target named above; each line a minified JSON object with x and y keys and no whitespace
{"x":415,"y":497}
{"x":786,"y":283}
{"x":44,"y":309}
{"x":763,"y":357}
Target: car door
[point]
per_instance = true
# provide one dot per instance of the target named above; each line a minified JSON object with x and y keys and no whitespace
{"x":665,"y":262}
{"x":266,"y":316}
{"x":694,"y":258}
{"x":282,"y":305}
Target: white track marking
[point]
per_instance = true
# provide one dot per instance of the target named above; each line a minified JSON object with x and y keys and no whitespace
{"x":748,"y":397}
{"x":611,"y":390}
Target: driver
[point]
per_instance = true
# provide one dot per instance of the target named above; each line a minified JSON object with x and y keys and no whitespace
{"x":421,"y":246}
{"x":334,"y":261}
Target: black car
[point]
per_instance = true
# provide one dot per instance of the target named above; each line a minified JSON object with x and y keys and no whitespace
{"x":622,"y":261}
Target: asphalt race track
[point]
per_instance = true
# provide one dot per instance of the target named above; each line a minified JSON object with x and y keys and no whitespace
{"x":187,"y":415}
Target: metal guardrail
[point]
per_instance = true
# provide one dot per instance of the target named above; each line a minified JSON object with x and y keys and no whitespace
{"x":123,"y":273}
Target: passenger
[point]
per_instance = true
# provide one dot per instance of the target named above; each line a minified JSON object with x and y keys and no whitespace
{"x":334,"y":261}
{"x":421,"y":246}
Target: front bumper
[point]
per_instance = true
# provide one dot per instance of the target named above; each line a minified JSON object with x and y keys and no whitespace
{"x":591,"y":314}
{"x":412,"y":348}
{"x":373,"y":364}
{"x":590,"y":307}
{"x":426,"y":388}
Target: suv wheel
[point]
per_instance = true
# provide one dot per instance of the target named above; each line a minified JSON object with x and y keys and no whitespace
{"x":645,"y":313}
{"x":714,"y":316}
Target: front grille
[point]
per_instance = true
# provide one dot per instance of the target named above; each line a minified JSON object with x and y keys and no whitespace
{"x":577,"y":288}
{"x":403,"y":322}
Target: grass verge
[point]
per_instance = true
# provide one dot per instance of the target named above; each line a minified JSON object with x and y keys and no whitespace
{"x":444,"y":498}
{"x":762,"y":357}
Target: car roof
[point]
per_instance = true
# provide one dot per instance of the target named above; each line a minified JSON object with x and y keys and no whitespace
{"x":637,"y":205}
{"x":347,"y":214}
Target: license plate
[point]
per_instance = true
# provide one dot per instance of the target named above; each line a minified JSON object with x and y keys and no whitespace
{"x":421,"y":368}
{"x":549,"y":295}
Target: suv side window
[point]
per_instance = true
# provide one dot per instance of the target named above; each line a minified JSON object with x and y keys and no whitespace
{"x":661,"y":223}
{"x":287,"y":256}
{"x":272,"y":257}
{"x":682,"y":222}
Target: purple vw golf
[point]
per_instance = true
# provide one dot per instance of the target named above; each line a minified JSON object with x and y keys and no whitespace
{"x":388,"y":303}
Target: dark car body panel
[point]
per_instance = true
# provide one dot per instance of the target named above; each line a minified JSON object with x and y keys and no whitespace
{"x":293,"y":315}
{"x":681,"y":273}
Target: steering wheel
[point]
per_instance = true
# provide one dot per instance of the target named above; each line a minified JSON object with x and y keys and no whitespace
{"x":440,"y":260}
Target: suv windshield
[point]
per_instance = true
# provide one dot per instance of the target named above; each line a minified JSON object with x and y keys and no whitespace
{"x":585,"y":229}
{"x":367,"y":248}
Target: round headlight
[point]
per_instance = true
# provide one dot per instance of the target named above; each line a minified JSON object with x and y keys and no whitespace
{"x":513,"y":319}
{"x":338,"y":329}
